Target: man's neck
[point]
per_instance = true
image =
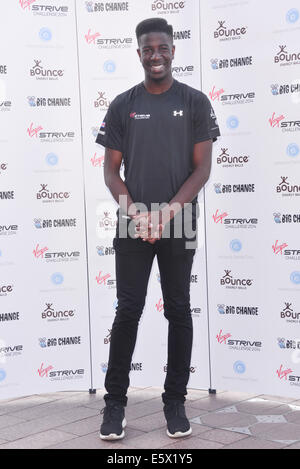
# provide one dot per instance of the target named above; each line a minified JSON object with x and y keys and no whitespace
{"x":156,"y":87}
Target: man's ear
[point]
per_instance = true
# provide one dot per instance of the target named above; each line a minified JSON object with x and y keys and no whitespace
{"x":173,"y":52}
{"x":139,"y":53}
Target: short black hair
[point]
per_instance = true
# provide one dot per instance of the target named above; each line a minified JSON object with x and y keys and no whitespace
{"x":153,"y":25}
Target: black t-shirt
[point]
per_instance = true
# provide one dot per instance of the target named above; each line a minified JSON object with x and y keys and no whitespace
{"x":156,"y":134}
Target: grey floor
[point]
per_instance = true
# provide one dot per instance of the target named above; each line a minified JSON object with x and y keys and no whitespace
{"x":70,"y":420}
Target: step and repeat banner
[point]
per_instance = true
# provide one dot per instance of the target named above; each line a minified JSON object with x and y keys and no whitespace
{"x":251,"y":73}
{"x":59,"y":71}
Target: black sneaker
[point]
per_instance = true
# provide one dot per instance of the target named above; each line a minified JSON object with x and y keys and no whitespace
{"x":177,"y":422}
{"x":114,"y":422}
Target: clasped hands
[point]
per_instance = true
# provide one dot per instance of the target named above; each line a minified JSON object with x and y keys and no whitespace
{"x":149,"y":226}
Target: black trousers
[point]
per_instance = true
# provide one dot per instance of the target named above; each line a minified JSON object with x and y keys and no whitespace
{"x":134,"y":259}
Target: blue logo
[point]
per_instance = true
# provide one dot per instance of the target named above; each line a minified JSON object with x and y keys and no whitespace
{"x":37,"y":223}
{"x":0,"y":253}
{"x":292,"y":15}
{"x":100,"y":250}
{"x":295,"y":278}
{"x":57,"y":278}
{"x":274,"y":90}
{"x":221,"y":309}
{"x":109,"y":66}
{"x":239,"y":367}
{"x":104,"y":367}
{"x":235,"y":245}
{"x":293,"y":149}
{"x":31,"y":101}
{"x":218,"y":188}
{"x":89,"y":6}
{"x":281,"y":342}
{"x":51,"y":159}
{"x":2,"y":374}
{"x":45,"y":34}
{"x":232,"y":122}
{"x":43,"y":342}
{"x":277,"y":217}
{"x":214,"y":64}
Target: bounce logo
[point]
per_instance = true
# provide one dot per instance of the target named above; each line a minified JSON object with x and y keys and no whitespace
{"x":232,"y":122}
{"x":292,"y":16}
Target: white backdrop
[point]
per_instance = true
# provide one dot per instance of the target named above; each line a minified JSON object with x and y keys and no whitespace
{"x":59,"y":71}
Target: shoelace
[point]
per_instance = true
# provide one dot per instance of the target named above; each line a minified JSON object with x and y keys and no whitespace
{"x":111,"y":411}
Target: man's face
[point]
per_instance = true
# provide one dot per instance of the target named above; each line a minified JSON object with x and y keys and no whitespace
{"x":156,"y":52}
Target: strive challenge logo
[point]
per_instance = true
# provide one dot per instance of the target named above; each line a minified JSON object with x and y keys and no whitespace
{"x":163,"y":7}
{"x":8,"y":230}
{"x":231,"y":99}
{"x":49,"y":137}
{"x":43,"y":253}
{"x":222,"y":218}
{"x":285,"y":126}
{"x":44,"y":10}
{"x":183,"y":71}
{"x":48,"y":372}
{"x":288,"y":254}
{"x":223,"y":33}
{"x":108,"y":43}
{"x":238,"y":344}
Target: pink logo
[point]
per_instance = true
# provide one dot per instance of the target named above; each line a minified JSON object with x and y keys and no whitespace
{"x":222,"y":338}
{"x":160,"y":306}
{"x":91,"y":38}
{"x":43,"y":372}
{"x":101,"y":279}
{"x":278,"y":248}
{"x":283,"y":373}
{"x":274,"y":121}
{"x":215,"y":94}
{"x":132,"y":115}
{"x":34,"y":132}
{"x":97,"y":161}
{"x":26,"y":3}
{"x":219,"y":217}
{"x":39,"y":252}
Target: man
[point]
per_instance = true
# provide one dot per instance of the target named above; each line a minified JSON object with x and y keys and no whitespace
{"x":163,"y":131}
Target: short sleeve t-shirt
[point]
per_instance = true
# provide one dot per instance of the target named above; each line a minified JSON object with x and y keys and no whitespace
{"x":156,"y":134}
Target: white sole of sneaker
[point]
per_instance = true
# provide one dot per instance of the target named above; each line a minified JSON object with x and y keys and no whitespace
{"x":114,"y":436}
{"x":179,"y":434}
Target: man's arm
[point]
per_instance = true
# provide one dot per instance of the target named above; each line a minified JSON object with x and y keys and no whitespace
{"x":195,"y":182}
{"x":117,"y":187}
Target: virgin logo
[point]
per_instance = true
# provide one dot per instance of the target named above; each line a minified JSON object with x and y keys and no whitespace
{"x":274,"y":121}
{"x":160,"y":305}
{"x":101,"y":279}
{"x":97,"y":161}
{"x":283,"y":373}
{"x":26,"y":3}
{"x":39,"y":252}
{"x":219,"y":217}
{"x":33,"y":132}
{"x":215,"y":94}
{"x":222,"y":338}
{"x":43,"y":372}
{"x":91,"y":38}
{"x":278,"y":248}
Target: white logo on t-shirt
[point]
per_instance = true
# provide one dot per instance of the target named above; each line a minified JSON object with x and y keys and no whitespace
{"x":178,"y":113}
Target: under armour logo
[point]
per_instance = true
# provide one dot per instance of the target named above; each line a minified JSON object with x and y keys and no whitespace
{"x":178,"y":113}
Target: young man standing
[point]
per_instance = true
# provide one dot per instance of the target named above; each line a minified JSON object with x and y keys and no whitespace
{"x":163,"y":131}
